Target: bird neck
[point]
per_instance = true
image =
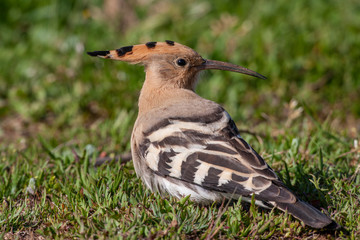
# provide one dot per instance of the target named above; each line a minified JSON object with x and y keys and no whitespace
{"x":155,"y":94}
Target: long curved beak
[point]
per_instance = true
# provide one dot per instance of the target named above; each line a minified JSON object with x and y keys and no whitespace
{"x":212,"y":64}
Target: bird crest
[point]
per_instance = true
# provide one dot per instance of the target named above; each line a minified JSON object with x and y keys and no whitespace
{"x":141,"y":52}
{"x":180,"y":55}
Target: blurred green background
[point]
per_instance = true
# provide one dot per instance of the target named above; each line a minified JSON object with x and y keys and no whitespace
{"x":309,"y":50}
{"x":60,"y":108}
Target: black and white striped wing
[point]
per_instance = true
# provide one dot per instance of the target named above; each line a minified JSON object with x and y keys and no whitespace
{"x":209,"y":153}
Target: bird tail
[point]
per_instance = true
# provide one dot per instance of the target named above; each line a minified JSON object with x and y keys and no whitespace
{"x":308,"y":214}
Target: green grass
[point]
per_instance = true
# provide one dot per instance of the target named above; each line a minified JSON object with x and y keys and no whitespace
{"x":61,"y":109}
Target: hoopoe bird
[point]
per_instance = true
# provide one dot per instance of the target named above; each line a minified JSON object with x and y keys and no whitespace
{"x":183,"y":144}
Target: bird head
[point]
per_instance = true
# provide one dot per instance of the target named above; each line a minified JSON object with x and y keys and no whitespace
{"x":170,"y":63}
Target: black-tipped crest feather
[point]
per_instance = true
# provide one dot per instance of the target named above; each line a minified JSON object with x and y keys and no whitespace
{"x":98,"y":53}
{"x":122,"y":51}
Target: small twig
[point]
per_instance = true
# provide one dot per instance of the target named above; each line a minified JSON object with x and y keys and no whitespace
{"x":76,"y":156}
{"x":349,"y":152}
{"x":276,"y":153}
{"x":214,"y":230}
{"x":252,"y":133}
{"x":123,"y":158}
{"x":357,"y":171}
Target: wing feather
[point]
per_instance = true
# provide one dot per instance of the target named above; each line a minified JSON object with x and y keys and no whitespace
{"x":211,"y":154}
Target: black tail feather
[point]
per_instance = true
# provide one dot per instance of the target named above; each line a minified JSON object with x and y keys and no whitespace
{"x":308,"y":214}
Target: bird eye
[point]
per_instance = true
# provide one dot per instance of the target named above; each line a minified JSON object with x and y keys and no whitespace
{"x":181,"y":62}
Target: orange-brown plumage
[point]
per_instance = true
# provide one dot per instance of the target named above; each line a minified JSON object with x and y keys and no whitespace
{"x":142,"y":52}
